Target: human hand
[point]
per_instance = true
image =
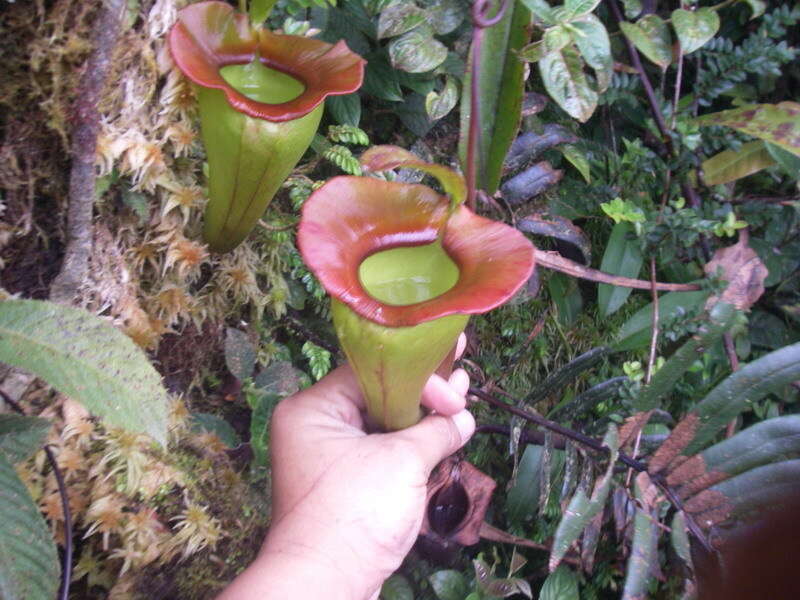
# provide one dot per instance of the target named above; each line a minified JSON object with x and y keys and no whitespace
{"x":347,"y":506}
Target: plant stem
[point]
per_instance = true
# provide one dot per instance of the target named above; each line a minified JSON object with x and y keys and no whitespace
{"x":654,"y":336}
{"x":592,"y":443}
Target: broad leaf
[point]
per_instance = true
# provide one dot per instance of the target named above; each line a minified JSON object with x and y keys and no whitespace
{"x":380,"y":79}
{"x":449,"y":585}
{"x":262,"y":406}
{"x":595,"y":48}
{"x":740,"y":390}
{"x":542,"y":12}
{"x":555,"y":38}
{"x":770,"y":441}
{"x":635,"y":333}
{"x":565,"y":81}
{"x":217,"y":425}
{"x":29,"y":565}
{"x":566,"y":295}
{"x":21,"y":436}
{"x":416,"y":51}
{"x":345,"y":110}
{"x":561,"y":584}
{"x":444,"y":15}
{"x":720,"y":319}
{"x":396,"y":588}
{"x":500,"y":91}
{"x":680,"y":538}
{"x":399,"y":18}
{"x":643,"y":547}
{"x":582,"y":508}
{"x":730,"y":165}
{"x":240,"y":354}
{"x":622,"y":257}
{"x":651,"y":37}
{"x":439,"y":104}
{"x":788,"y":161}
{"x":778,"y":124}
{"x":578,"y":160}
{"x":577,"y":8}
{"x":280,"y":378}
{"x":523,"y":497}
{"x":85,"y":358}
{"x":757,"y":6}
{"x":260,"y":9}
{"x":561,"y":229}
{"x":694,"y":27}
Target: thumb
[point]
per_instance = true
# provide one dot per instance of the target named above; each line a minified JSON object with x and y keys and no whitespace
{"x":436,"y":437}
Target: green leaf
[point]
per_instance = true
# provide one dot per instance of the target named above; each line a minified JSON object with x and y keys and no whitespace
{"x":680,"y":538}
{"x":541,"y":11}
{"x":595,"y":48}
{"x":577,"y":8}
{"x":694,"y":27}
{"x":741,"y":389}
{"x":319,"y":359}
{"x":565,"y":81}
{"x":444,"y":16}
{"x":396,"y":588}
{"x":345,"y":110}
{"x":578,"y":160}
{"x":778,"y":124}
{"x":138,"y":203}
{"x":757,"y":6}
{"x":730,"y":165}
{"x":416,"y":51}
{"x":240,"y":354}
{"x":635,"y":333}
{"x":770,"y":441}
{"x":555,"y":38}
{"x":438,"y":105}
{"x":651,"y":37}
{"x":767,"y":487}
{"x":29,"y":565}
{"x":21,"y":436}
{"x":622,"y":257}
{"x":523,"y":497}
{"x":380,"y":79}
{"x":790,"y":163}
{"x":399,"y":18}
{"x":582,"y":508}
{"x":85,"y":358}
{"x":449,"y":585}
{"x":500,"y":90}
{"x":262,"y":406}
{"x":561,"y":378}
{"x":259,"y":10}
{"x":217,"y":425}
{"x":280,"y":378}
{"x":643,"y":552}
{"x":566,"y":295}
{"x":719,"y":320}
{"x":561,"y":584}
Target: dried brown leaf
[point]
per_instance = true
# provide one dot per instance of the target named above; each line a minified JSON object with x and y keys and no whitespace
{"x":744,"y":272}
{"x":677,"y":441}
{"x":706,"y":480}
{"x":650,"y":496}
{"x":706,"y":501}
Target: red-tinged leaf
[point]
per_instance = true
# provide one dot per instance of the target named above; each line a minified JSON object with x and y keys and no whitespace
{"x":778,"y":124}
{"x":741,"y":267}
{"x":384,"y":158}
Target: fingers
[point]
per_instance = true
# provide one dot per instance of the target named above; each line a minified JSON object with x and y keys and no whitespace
{"x":446,"y":397}
{"x":461,"y":345}
{"x":437,"y":437}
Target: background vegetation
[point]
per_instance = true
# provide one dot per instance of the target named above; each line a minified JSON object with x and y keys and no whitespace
{"x":615,"y":165}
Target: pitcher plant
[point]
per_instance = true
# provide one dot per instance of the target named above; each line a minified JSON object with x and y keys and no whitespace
{"x":405,"y":266}
{"x":260,"y":97}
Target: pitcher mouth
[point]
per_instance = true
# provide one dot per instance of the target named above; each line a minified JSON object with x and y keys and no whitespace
{"x":350,"y":219}
{"x":209,"y":36}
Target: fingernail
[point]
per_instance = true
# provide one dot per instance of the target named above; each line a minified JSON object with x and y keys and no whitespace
{"x":465,"y":423}
{"x":459,"y":381}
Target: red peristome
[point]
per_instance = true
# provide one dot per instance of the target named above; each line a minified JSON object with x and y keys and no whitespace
{"x":210,"y":35}
{"x":350,"y":218}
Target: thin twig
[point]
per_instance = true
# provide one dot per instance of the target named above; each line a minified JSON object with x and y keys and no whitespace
{"x":651,"y":360}
{"x":66,"y":564}
{"x":676,"y":97}
{"x":553,"y":260}
{"x":575,"y":436}
{"x":86,"y":115}
{"x":730,"y":350}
